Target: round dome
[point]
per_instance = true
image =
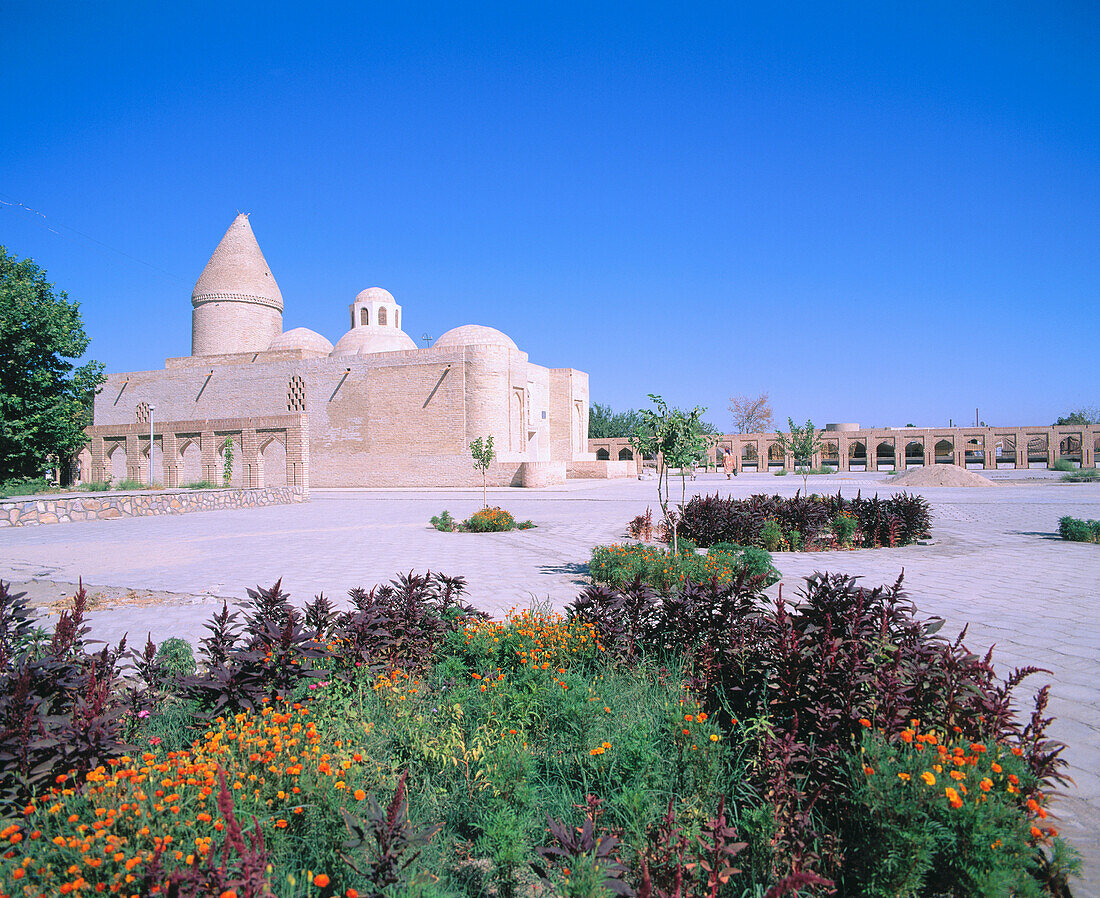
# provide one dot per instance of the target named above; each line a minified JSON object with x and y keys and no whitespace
{"x":302,"y":338}
{"x":365,"y":340}
{"x":476,"y":335}
{"x":375,"y":294}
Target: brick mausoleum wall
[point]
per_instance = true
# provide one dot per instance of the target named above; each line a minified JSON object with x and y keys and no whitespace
{"x":63,"y":509}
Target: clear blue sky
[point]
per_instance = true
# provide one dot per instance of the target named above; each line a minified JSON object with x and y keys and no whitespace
{"x":881,"y":212}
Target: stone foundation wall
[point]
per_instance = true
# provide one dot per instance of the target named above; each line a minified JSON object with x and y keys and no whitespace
{"x":105,"y":506}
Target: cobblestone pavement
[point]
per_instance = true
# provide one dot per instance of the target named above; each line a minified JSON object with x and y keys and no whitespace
{"x":995,"y":562}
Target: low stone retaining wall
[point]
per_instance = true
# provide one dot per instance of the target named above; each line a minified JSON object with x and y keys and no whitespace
{"x":105,"y":506}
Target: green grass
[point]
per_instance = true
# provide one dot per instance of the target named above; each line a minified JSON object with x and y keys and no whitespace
{"x":1081,"y":475}
{"x":1062,"y":464}
{"x":200,"y":485}
{"x":95,"y":486}
{"x":24,"y":486}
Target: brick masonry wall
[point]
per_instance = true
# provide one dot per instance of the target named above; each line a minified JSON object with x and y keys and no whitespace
{"x":385,"y":419}
{"x":64,"y":509}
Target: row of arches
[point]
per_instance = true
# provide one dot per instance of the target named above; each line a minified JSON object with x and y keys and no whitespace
{"x":1022,"y":447}
{"x":270,"y":466}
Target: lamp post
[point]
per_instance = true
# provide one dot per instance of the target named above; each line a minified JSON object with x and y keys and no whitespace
{"x":152,"y":408}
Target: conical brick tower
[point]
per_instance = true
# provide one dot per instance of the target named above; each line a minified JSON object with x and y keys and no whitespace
{"x":237,"y":304}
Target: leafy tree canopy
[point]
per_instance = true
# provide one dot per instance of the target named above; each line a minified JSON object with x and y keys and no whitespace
{"x":1090,"y":414}
{"x":45,"y":399}
{"x":605,"y":423}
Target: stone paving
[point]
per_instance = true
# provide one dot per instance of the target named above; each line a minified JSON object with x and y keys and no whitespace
{"x":995,"y":562}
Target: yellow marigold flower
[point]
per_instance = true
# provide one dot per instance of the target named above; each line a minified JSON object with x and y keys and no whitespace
{"x":928,"y":778}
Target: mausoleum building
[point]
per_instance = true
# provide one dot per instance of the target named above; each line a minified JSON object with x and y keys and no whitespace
{"x":372,"y":409}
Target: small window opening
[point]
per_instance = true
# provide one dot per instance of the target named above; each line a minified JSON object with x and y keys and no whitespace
{"x":382,"y":316}
{"x":364,"y":316}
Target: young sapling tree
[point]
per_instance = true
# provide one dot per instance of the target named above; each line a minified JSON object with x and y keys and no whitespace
{"x":482,"y":451}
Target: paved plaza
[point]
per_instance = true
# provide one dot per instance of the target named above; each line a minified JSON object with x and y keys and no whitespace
{"x":994,"y":562}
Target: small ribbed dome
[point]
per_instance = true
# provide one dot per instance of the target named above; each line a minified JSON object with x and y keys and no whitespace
{"x":302,"y":338}
{"x":365,"y":340}
{"x":476,"y":335}
{"x":374,"y":294}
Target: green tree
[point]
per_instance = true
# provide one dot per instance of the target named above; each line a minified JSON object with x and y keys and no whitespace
{"x":482,"y":451}
{"x":45,"y":399}
{"x":1088,"y":415}
{"x":676,"y":437}
{"x":802,"y":443}
{"x":604,"y":423}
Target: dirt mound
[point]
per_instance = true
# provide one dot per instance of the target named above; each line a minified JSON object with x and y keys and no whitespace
{"x":940,"y":475}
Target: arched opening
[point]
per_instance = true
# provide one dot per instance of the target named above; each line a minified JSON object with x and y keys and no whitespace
{"x":914,"y":453}
{"x":235,"y":478}
{"x":190,"y":462}
{"x":974,"y":453}
{"x":884,"y":452}
{"x":857,"y":456}
{"x":945,"y":453}
{"x":1006,"y":451}
{"x":517,"y":421}
{"x":272,"y":460}
{"x":381,"y":316}
{"x":830,"y":453}
{"x":397,"y":318}
{"x":116,"y":461}
{"x":748,"y":456}
{"x":364,"y":316}
{"x":1036,"y":450}
{"x":603,"y":454}
{"x":153,"y":473}
{"x":1070,"y":449}
{"x":775,"y":456}
{"x":626,"y":455}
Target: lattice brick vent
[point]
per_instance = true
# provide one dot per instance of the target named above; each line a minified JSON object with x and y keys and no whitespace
{"x":296,"y":394}
{"x":142,"y":412}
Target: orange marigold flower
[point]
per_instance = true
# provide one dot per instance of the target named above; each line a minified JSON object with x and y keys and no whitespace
{"x":360,"y":794}
{"x":863,"y":721}
{"x":986,"y":784}
{"x":904,"y":777}
{"x":928,"y":778}
{"x":321,"y":880}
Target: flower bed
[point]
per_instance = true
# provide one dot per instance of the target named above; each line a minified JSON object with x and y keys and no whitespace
{"x":485,"y":520}
{"x":410,"y":745}
{"x":622,"y":563}
{"x":806,"y":522}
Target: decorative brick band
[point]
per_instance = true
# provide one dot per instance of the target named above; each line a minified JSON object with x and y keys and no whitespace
{"x":65,"y":509}
{"x":201,"y":298}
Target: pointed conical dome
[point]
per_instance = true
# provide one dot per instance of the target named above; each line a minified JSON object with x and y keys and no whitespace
{"x":237,"y":304}
{"x":238,"y":272}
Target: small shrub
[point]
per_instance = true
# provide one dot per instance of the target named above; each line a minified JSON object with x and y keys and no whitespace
{"x":200,"y":485}
{"x":1079,"y":531}
{"x":771,"y":537}
{"x":782,"y":472}
{"x":1062,"y":464}
{"x":844,"y":526}
{"x":444,"y":522}
{"x":1082,"y":475}
{"x":96,"y":486}
{"x":176,"y":658}
{"x":642,"y":526}
{"x":128,"y":484}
